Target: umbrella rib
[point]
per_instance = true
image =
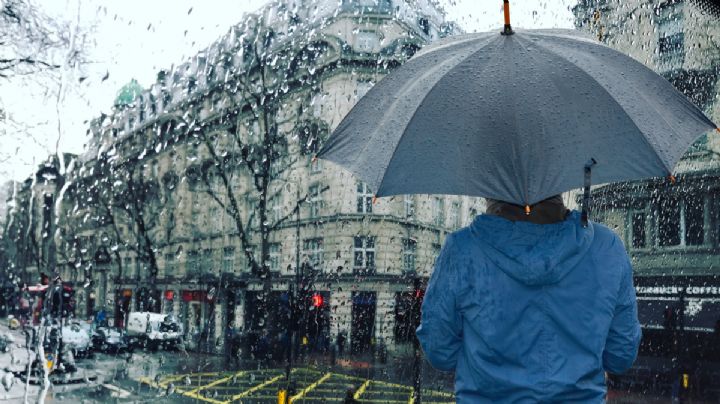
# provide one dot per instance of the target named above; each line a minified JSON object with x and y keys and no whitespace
{"x":644,"y":137}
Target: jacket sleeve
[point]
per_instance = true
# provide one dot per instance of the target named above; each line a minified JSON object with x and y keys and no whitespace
{"x":623,"y":340}
{"x":440,"y":331}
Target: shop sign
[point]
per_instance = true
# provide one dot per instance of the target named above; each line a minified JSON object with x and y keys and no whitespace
{"x":676,"y":290}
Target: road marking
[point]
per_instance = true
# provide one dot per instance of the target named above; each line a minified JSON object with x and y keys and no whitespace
{"x":310,"y":388}
{"x":216,"y":382}
{"x":202,"y":398}
{"x":256,"y":388}
{"x":361,"y":390}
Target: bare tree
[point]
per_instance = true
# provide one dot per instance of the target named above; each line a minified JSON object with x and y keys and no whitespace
{"x":250,"y":143}
{"x":33,"y":42}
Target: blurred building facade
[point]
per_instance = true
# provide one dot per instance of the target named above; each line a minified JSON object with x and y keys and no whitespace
{"x":163,"y":213}
{"x":671,"y":229}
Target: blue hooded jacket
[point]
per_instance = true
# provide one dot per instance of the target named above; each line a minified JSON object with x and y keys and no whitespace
{"x":529,"y":313}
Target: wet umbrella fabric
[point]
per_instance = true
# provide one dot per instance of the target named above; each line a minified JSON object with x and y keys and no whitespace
{"x":514,"y":118}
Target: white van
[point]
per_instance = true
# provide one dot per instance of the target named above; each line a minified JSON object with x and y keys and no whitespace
{"x":153,"y":330}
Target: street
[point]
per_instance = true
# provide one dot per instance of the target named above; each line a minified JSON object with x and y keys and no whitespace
{"x":189,"y":377}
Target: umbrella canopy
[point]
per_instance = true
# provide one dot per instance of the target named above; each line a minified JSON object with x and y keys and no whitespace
{"x":515,"y":118}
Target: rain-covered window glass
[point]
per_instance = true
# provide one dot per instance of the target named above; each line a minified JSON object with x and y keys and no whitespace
{"x":315,"y":200}
{"x":409,"y":254}
{"x":314,"y":252}
{"x":669,"y":222}
{"x":409,"y":205}
{"x":274,"y":257}
{"x":364,"y":198}
{"x":638,"y":230}
{"x":228,"y":260}
{"x":438,"y":211}
{"x":364,"y":255}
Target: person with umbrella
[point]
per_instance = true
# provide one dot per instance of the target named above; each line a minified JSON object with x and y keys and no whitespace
{"x":530,"y":303}
{"x":531,"y":307}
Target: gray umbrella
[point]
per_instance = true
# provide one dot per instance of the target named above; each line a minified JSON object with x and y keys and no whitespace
{"x":514,"y":118}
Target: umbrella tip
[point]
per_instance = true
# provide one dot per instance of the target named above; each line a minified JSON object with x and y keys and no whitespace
{"x":672,"y":179}
{"x":314,"y":159}
{"x":374,"y":200}
{"x":527,"y":210}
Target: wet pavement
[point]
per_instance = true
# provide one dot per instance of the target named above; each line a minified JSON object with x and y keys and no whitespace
{"x":189,"y":377}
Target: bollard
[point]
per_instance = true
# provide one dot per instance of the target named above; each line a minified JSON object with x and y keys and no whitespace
{"x":282,"y":396}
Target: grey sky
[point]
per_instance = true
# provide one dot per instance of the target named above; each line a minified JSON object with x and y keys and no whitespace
{"x":136,"y":38}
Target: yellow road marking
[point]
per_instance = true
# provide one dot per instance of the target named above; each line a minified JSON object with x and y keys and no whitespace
{"x":256,"y":388}
{"x":200,"y":397}
{"x":361,"y":390}
{"x":216,"y":382}
{"x":310,"y":388}
{"x":399,"y":386}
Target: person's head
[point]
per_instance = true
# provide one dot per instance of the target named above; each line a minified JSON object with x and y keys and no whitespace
{"x":547,"y":211}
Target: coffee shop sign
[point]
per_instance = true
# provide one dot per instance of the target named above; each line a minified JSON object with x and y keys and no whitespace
{"x":676,"y":290}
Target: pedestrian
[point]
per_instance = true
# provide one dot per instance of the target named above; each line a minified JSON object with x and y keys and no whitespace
{"x":340,"y":343}
{"x":531,"y":307}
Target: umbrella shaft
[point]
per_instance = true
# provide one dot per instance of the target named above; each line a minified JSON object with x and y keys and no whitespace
{"x":506,"y":8}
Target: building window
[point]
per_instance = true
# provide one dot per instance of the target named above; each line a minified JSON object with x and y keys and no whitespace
{"x":694,"y":216}
{"x":127,"y":262}
{"x":409,"y":202}
{"x":438,"y":210}
{"x":191,"y":263}
{"x":274,"y":257}
{"x":455,"y":215}
{"x":364,"y":259}
{"x":364,"y":198}
{"x":681,"y":222}
{"x":405,"y":324}
{"x":228,"y":260}
{"x":140,"y":267}
{"x":314,"y":252}
{"x":315,"y":201}
{"x":207,"y":265}
{"x":671,"y":43}
{"x":409,"y":254}
{"x":367,"y":41}
{"x":316,"y":166}
{"x":170,"y":265}
{"x":436,"y":247}
{"x":669,"y":223}
{"x":638,"y":230}
{"x":276,"y":207}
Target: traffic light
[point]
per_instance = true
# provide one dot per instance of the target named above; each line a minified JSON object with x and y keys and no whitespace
{"x":317,"y":300}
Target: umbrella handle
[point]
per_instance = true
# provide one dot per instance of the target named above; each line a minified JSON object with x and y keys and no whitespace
{"x":507,"y":30}
{"x":586,"y":192}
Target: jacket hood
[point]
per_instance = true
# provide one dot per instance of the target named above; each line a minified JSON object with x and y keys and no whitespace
{"x":534,"y":254}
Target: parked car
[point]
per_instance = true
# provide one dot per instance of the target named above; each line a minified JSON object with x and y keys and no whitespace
{"x":6,"y":342}
{"x":153,"y":330}
{"x":109,"y":339}
{"x":76,"y":336}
